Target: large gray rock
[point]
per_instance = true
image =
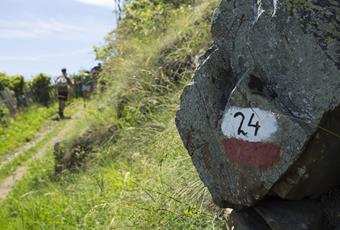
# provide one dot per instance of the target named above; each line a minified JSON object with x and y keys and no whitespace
{"x":264,"y":100}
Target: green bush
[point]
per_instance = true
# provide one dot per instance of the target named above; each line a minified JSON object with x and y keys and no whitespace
{"x":4,"y":80}
{"x":149,"y":16}
{"x":40,"y":86}
{"x":15,"y":83}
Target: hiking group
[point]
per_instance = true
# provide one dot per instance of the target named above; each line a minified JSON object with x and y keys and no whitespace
{"x":87,"y":85}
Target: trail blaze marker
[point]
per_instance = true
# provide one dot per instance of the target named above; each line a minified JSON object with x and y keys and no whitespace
{"x":274,"y":74}
{"x":248,"y":132}
{"x":249,"y":124}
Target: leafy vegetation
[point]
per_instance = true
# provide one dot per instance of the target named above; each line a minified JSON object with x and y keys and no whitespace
{"x":143,"y":177}
{"x":41,"y":87}
{"x":15,"y":83}
{"x":22,"y":94}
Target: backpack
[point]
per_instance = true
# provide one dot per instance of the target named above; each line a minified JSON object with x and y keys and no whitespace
{"x":62,"y":84}
{"x":87,"y":79}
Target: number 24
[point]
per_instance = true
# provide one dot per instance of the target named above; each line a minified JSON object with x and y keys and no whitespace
{"x":240,"y":130}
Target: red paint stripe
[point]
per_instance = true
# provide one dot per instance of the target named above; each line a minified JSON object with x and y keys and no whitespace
{"x":255,"y":154}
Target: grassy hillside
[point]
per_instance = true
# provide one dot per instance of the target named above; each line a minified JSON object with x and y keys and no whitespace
{"x":142,"y":178}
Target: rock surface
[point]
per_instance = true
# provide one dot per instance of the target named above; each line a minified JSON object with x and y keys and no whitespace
{"x":262,"y":112}
{"x":280,"y":215}
{"x":8,"y":99}
{"x":322,"y":213}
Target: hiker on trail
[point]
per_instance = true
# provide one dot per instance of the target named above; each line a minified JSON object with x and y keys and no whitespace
{"x":86,"y":86}
{"x":95,"y":71}
{"x":77,"y":86}
{"x":62,"y":83}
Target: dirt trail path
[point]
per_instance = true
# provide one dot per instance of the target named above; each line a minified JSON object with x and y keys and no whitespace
{"x":19,"y":151}
{"x":9,"y":183}
{"x":38,"y":138}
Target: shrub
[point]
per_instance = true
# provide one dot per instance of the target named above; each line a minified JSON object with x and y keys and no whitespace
{"x":40,"y":87}
{"x":14,"y":83}
{"x":17,"y":85}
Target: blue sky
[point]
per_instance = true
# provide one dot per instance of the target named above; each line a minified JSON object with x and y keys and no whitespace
{"x":44,"y":36}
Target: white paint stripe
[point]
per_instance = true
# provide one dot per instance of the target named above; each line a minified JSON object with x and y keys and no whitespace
{"x":249,"y":124}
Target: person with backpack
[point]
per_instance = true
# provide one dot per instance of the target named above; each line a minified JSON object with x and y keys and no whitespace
{"x":95,"y":71}
{"x":62,"y":84}
{"x":86,"y":86}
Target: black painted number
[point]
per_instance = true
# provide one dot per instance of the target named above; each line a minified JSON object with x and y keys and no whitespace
{"x":256,"y":126}
{"x":240,"y":130}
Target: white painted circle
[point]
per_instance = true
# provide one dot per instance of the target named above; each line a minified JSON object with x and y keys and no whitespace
{"x":249,"y":124}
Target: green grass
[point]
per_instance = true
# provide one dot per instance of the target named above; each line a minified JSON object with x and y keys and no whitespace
{"x":144,"y":179}
{"x":11,"y":166}
{"x":24,"y":127}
